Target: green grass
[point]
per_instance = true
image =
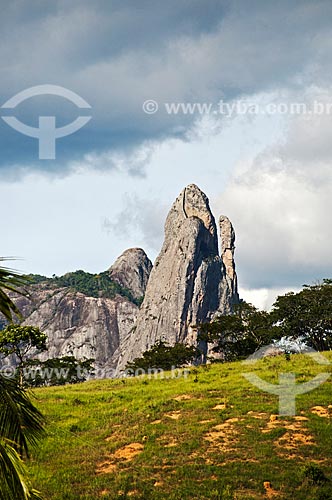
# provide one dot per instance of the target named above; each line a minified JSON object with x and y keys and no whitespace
{"x":184,"y":457}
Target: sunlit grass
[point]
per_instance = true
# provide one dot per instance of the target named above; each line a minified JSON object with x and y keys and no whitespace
{"x":189,"y":450}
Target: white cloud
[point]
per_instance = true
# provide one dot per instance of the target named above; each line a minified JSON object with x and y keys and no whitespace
{"x":264,"y":298}
{"x":270,"y":174}
{"x":281,"y":204}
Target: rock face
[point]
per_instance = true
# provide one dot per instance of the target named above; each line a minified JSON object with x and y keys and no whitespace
{"x":227,"y":237}
{"x":82,"y":326}
{"x":132,"y":270}
{"x":189,"y":283}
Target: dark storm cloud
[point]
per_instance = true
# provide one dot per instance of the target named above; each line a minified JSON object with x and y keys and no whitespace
{"x":117,"y":54}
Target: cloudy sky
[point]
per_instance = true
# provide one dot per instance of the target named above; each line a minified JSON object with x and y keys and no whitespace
{"x":263,"y":160}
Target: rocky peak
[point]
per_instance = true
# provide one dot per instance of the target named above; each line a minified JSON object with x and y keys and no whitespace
{"x":227,"y":238}
{"x":191,"y":202}
{"x":132,"y":270}
{"x":189,"y":283}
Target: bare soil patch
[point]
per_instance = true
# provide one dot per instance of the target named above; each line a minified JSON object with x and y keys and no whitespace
{"x":175,"y":415}
{"x":183,"y":397}
{"x":223,"y":436}
{"x":321,"y":411}
{"x":269,"y":491}
{"x":124,"y":454}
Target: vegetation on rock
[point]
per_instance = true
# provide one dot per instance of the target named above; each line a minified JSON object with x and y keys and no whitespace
{"x":92,"y":285}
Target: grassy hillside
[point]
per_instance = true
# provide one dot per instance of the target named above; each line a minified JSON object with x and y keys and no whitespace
{"x":210,"y":435}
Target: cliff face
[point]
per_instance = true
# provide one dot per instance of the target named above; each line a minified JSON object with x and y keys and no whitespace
{"x":189,"y":283}
{"x":132,"y":270}
{"x":83,"y":326}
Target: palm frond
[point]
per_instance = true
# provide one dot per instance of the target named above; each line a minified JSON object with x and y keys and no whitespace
{"x":13,"y":475}
{"x":8,"y":307}
{"x":12,"y":281}
{"x":20,"y":421}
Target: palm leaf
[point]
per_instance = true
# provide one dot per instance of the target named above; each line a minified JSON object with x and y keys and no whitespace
{"x":20,"y":421}
{"x":12,"y":281}
{"x":13,"y":476}
{"x":21,"y":424}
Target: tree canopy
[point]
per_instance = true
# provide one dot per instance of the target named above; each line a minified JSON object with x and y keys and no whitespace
{"x":304,"y":316}
{"x":163,"y":356}
{"x":238,"y":334}
{"x":307,"y":315}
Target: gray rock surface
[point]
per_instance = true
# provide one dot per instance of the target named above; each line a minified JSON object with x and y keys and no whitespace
{"x":88,"y":327}
{"x":78,"y":325}
{"x":132,"y":270}
{"x":227,"y":245}
{"x":189,"y":282}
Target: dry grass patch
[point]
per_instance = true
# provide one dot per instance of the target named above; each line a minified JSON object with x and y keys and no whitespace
{"x":258,"y":415}
{"x":175,"y":415}
{"x":168,"y":442}
{"x":223,"y":437}
{"x":104,"y":492}
{"x":269,"y":491}
{"x":291,"y":441}
{"x":124,"y":454}
{"x":275,"y":421}
{"x":183,"y":397}
{"x":296,"y":436}
{"x":321,"y":411}
{"x":221,"y":406}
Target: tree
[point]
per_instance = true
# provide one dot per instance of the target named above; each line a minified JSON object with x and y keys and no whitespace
{"x":306,"y":315}
{"x":57,"y":371}
{"x":21,"y":424}
{"x":10,"y":281}
{"x":164,"y":357}
{"x":19,"y":341}
{"x":239,"y":334}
